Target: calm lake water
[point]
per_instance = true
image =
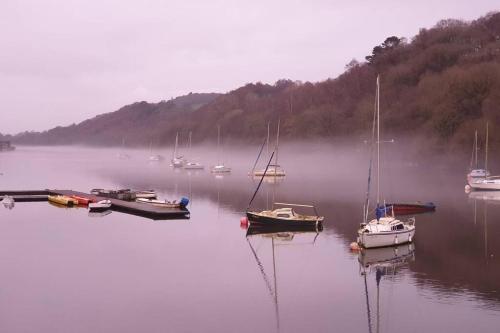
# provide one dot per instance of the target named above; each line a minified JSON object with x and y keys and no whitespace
{"x":63,"y":271}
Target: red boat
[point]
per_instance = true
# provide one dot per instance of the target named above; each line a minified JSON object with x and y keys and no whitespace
{"x":410,"y":208}
{"x":82,"y":200}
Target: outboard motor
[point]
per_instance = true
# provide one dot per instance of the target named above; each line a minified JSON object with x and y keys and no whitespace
{"x":184,"y":202}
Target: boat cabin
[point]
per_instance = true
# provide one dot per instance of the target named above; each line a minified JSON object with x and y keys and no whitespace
{"x":479,"y":173}
{"x":284,"y":213}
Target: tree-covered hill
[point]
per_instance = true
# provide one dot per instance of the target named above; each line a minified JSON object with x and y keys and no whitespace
{"x":438,"y":86}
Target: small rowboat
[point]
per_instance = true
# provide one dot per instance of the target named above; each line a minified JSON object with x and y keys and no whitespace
{"x":100,"y":205}
{"x":82,"y":200}
{"x":410,"y":208}
{"x":165,"y":203}
{"x":63,"y":200}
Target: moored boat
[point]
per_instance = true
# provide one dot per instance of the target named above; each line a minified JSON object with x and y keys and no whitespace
{"x":284,"y":216}
{"x":147,"y":194}
{"x":124,"y":194}
{"x":273,"y":171}
{"x":193,"y":166}
{"x":384,"y":230}
{"x":410,"y":208}
{"x":165,"y":203}
{"x":100,"y":205}
{"x":82,"y":200}
{"x":220,"y":167}
{"x":63,"y":200}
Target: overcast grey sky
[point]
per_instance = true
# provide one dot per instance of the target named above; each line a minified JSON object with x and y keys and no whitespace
{"x":63,"y":61}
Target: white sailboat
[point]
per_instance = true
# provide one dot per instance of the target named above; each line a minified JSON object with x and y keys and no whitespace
{"x":177,"y":161}
{"x":191,"y":165}
{"x":220,"y":167}
{"x":476,"y":172}
{"x":274,"y":170}
{"x":154,"y":157}
{"x":488,"y":182}
{"x":383,"y":230}
{"x":122,"y":155}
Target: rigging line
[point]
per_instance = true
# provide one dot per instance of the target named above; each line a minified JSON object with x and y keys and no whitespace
{"x":258,"y":156}
{"x":261,"y":179}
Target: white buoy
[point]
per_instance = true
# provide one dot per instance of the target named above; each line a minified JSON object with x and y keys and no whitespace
{"x":467,"y":188}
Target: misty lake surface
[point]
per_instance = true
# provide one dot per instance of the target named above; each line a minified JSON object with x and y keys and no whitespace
{"x":64,"y":271}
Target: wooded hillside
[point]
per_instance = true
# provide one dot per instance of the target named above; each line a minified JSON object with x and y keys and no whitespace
{"x":439,"y":86}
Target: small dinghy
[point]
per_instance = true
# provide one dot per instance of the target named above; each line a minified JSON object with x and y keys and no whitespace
{"x":82,"y":200}
{"x":8,"y":202}
{"x":63,"y":200}
{"x":165,"y":203}
{"x":100,"y":205}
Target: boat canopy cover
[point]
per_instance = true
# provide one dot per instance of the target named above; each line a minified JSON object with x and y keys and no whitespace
{"x":381,"y":211}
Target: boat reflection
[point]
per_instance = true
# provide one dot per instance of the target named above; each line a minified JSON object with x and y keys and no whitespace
{"x":99,"y":214}
{"x":279,"y":235}
{"x":488,"y":196}
{"x":387,"y":261}
{"x":269,"y":179}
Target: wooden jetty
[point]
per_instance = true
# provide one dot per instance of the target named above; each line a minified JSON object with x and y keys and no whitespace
{"x":128,"y":207}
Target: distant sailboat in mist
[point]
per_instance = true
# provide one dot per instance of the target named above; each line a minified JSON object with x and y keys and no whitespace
{"x":273,"y":170}
{"x":154,"y":157}
{"x":191,"y":165}
{"x":177,"y":160}
{"x":220,"y":167}
{"x":487,"y":182}
{"x":122,"y":155}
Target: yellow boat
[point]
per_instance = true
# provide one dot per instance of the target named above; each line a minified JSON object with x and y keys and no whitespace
{"x":63,"y":200}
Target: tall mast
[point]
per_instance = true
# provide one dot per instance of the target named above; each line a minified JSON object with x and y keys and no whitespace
{"x":267,"y":142}
{"x":218,"y":144}
{"x":378,"y":140}
{"x":277,"y":143}
{"x":486,"y":154}
{"x":190,"y":134}
{"x":176,"y":143}
{"x":475,"y":146}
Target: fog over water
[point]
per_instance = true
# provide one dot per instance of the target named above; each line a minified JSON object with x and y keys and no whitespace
{"x":65,"y":271}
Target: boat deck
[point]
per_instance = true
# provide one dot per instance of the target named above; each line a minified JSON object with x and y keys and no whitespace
{"x":128,"y":207}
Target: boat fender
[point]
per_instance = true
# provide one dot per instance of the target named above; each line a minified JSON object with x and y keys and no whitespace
{"x":396,"y":240}
{"x":184,"y":202}
{"x":409,"y":238}
{"x":244,"y":222}
{"x":354,"y":246}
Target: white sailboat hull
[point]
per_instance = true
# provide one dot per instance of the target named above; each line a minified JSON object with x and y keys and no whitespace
{"x":389,"y":238}
{"x":485,"y":184}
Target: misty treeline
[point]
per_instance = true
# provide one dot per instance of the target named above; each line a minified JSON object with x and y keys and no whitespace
{"x":437,"y":87}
